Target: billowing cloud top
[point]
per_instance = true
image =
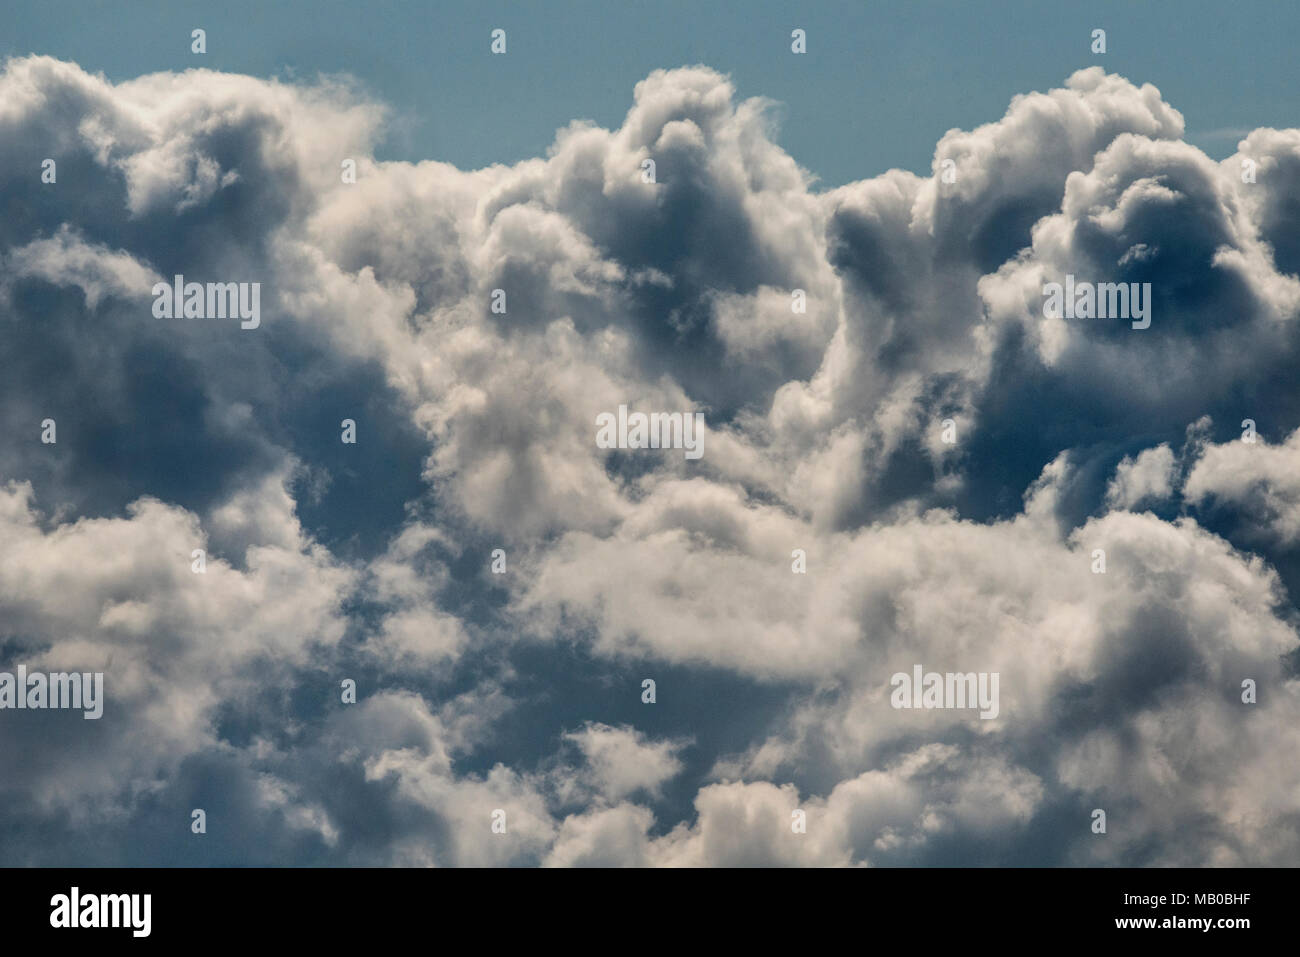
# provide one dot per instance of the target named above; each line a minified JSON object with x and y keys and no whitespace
{"x":639,"y":656}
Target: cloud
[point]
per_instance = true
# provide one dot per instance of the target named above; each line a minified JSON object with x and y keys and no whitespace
{"x":919,"y":468}
{"x":1149,"y":476}
{"x":64,"y":259}
{"x":1261,"y":482}
{"x":604,"y":837}
{"x":120,"y":596}
{"x":621,"y":763}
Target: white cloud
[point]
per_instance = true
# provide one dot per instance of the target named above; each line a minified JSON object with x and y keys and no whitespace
{"x":1261,"y":480}
{"x":924,"y":304}
{"x":1149,"y":476}
{"x":622,"y":763}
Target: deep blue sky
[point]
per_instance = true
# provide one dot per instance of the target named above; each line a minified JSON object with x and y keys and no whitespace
{"x":880,"y":84}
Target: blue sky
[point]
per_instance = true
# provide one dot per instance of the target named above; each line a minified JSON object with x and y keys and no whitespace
{"x":880,"y":84}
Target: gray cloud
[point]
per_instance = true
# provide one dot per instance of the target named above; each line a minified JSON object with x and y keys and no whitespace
{"x":520,"y":691}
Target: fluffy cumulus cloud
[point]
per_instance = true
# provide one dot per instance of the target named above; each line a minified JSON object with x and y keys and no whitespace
{"x":565,"y":654}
